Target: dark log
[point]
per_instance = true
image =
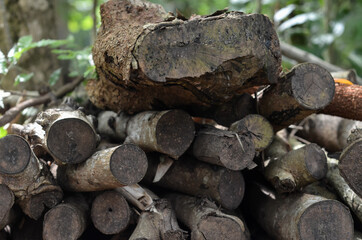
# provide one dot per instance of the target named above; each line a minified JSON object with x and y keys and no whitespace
{"x":297,"y":168}
{"x":67,"y":220}
{"x":158,"y":223}
{"x":223,"y":148}
{"x":357,"y":235}
{"x":257,"y":127}
{"x":196,"y":178}
{"x":170,"y":132}
{"x":106,"y":169}
{"x":346,"y":103}
{"x":304,"y":90}
{"x":7,"y":200}
{"x":299,"y":216}
{"x":205,"y":219}
{"x":27,"y":176}
{"x":110,"y":212}
{"x":350,"y":165}
{"x":329,"y":132}
{"x":226,"y":53}
{"x":69,"y":135}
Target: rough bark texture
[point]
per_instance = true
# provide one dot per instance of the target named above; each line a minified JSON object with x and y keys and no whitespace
{"x":223,"y":148}
{"x":300,"y":216}
{"x":67,"y":220}
{"x":206,"y":221}
{"x":257,"y":127}
{"x":350,"y":165}
{"x":196,"y":178}
{"x":297,"y":168}
{"x":110,"y":212}
{"x":69,"y":135}
{"x":7,"y":200}
{"x":158,"y":223}
{"x":329,"y":132}
{"x":320,"y":189}
{"x":346,"y":103}
{"x":299,"y":93}
{"x":196,"y":64}
{"x":28,"y":177}
{"x":106,"y":169}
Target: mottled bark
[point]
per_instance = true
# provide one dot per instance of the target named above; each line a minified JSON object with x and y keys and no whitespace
{"x":7,"y":200}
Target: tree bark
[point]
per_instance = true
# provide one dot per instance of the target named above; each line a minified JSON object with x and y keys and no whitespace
{"x":7,"y":200}
{"x":223,"y":148}
{"x":226,"y":53}
{"x":299,"y":216}
{"x":319,"y":188}
{"x":110,"y":212}
{"x":138,"y":196}
{"x":67,"y":220}
{"x":205,"y":220}
{"x":200,"y":179}
{"x":170,"y":132}
{"x":29,"y":178}
{"x":106,"y":169}
{"x":304,"y":90}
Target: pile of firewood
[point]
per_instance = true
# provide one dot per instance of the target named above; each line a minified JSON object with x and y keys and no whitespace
{"x":204,"y":137}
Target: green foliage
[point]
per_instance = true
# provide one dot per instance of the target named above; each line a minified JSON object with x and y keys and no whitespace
{"x":22,"y":77}
{"x":3,"y":132}
{"x":54,"y":77}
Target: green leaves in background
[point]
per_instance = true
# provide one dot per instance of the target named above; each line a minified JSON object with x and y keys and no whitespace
{"x":54,"y":77}
{"x":3,"y":132}
{"x":23,"y":77}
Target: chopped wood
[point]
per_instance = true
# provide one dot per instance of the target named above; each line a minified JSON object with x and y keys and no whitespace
{"x":138,"y":196}
{"x":319,"y":188}
{"x":7,"y":200}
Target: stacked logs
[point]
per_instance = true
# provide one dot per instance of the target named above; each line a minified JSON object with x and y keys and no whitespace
{"x":186,"y":141}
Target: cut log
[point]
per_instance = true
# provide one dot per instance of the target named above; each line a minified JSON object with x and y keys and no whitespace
{"x":257,"y":127}
{"x":319,"y":188}
{"x":197,"y":63}
{"x":223,"y":148}
{"x":196,"y":178}
{"x":299,"y":216}
{"x":170,"y":132}
{"x":27,"y":176}
{"x":110,"y":212}
{"x":304,"y":90}
{"x":70,"y":136}
{"x":346,"y":103}
{"x":67,"y":220}
{"x":158,"y":223}
{"x":329,"y":132}
{"x":350,"y":166}
{"x":7,"y":200}
{"x":106,"y":169}
{"x":297,"y":168}
{"x":344,"y":191}
{"x":205,"y":219}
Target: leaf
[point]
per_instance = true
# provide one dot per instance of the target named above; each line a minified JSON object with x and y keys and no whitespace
{"x":3,"y":64}
{"x":54,"y":77}
{"x":23,"y":77}
{"x":3,"y":95}
{"x":3,"y":132}
{"x":298,"y":19}
{"x":25,"y":41}
{"x":281,"y":14}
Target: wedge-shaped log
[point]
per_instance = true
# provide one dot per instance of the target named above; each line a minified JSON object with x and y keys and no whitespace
{"x":170,"y":132}
{"x":195,"y":64}
{"x":106,"y":169}
{"x":7,"y":200}
{"x":299,"y":93}
{"x":223,"y":148}
{"x":296,"y":168}
{"x":67,"y":220}
{"x":69,"y":136}
{"x":299,"y":216}
{"x":27,"y":176}
{"x":196,"y":178}
{"x":205,"y":219}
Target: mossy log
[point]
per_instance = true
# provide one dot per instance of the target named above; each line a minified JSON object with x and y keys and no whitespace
{"x":196,"y":63}
{"x":196,"y":178}
{"x":28,"y":177}
{"x":67,"y":220}
{"x":206,"y":221}
{"x":106,"y":169}
{"x":304,"y":90}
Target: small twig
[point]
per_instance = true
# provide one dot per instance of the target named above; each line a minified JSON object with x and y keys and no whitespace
{"x":14,"y":111}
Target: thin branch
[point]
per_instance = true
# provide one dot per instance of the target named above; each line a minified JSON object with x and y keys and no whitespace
{"x":14,"y":111}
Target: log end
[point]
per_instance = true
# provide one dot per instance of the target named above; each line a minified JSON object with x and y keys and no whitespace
{"x":128,"y":164}
{"x":71,"y":140}
{"x":312,"y":86}
{"x":231,"y":189}
{"x":62,"y":222}
{"x":316,"y":161}
{"x":175,"y":131}
{"x":327,"y":219}
{"x":6,"y":201}
{"x":213,"y":227}
{"x":110,"y":212}
{"x":15,"y":154}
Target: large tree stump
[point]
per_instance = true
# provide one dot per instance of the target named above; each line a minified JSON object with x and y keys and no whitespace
{"x":195,"y":64}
